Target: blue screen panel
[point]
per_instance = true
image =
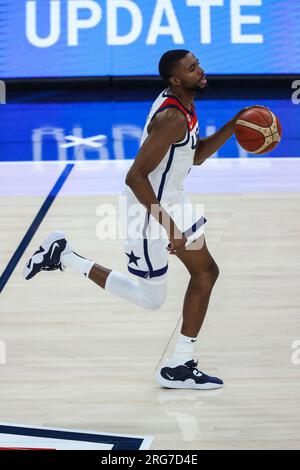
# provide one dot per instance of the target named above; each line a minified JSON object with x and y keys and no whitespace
{"x":70,"y":38}
{"x":51,"y":132}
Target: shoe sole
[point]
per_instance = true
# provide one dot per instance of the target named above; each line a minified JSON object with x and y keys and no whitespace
{"x":39,"y":256}
{"x":187,"y":384}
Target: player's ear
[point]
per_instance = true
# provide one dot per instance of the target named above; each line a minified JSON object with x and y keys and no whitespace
{"x":174,"y":81}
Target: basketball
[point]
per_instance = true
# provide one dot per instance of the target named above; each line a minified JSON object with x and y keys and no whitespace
{"x":258,"y":130}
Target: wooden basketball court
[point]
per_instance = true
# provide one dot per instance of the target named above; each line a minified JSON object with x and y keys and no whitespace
{"x":79,"y":358}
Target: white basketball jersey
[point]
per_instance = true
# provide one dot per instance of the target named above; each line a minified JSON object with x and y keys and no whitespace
{"x":168,"y":177}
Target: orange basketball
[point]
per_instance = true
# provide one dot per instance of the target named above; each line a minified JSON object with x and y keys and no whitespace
{"x":258,"y":130}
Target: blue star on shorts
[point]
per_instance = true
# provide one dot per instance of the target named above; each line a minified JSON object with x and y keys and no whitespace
{"x":132,"y":258}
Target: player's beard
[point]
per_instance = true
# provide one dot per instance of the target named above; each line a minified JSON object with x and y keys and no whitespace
{"x":199,"y":89}
{"x":203,"y":89}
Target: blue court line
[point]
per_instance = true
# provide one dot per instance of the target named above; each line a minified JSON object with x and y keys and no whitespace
{"x":117,"y":442}
{"x":34,"y":226}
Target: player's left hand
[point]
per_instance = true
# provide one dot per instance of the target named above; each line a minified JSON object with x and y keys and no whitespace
{"x":236,"y":117}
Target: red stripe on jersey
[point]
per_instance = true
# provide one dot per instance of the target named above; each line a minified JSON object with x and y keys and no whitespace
{"x":191,"y":116}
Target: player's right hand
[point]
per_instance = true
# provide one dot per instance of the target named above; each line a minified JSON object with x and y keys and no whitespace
{"x":177,"y":245}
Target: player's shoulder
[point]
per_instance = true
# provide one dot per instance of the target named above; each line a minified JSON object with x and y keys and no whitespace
{"x":170,"y":117}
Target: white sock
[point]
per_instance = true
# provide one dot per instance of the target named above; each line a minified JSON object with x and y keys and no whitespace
{"x":184,"y":350}
{"x":77,"y":263}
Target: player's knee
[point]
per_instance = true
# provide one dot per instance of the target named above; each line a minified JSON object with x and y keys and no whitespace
{"x":207,"y":279}
{"x":155,"y":303}
{"x":215,"y":272}
{"x":155,"y":298}
{"x":212,"y":274}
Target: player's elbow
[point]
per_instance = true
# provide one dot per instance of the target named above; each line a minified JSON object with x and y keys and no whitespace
{"x":133,"y":178}
{"x":129,"y":179}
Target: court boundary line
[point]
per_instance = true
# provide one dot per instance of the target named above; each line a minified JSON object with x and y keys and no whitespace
{"x":118,"y":441}
{"x":8,"y":271}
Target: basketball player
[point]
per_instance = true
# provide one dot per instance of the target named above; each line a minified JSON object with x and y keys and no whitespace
{"x":154,"y":183}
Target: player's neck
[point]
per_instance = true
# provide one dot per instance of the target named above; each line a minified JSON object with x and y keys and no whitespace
{"x":186,"y":98}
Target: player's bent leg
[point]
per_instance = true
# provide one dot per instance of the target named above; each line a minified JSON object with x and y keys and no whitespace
{"x":148,"y":294}
{"x":153,"y":293}
{"x":56,"y":253}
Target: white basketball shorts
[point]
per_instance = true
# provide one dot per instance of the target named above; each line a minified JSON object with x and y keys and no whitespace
{"x":146,"y":241}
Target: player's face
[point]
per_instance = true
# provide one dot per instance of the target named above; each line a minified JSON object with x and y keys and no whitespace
{"x":191,"y":74}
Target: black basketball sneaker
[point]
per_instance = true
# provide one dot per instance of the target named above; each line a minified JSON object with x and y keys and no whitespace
{"x":186,"y":376}
{"x":48,"y":256}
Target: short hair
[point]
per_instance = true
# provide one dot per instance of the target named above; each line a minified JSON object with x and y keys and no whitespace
{"x":169,"y":61}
